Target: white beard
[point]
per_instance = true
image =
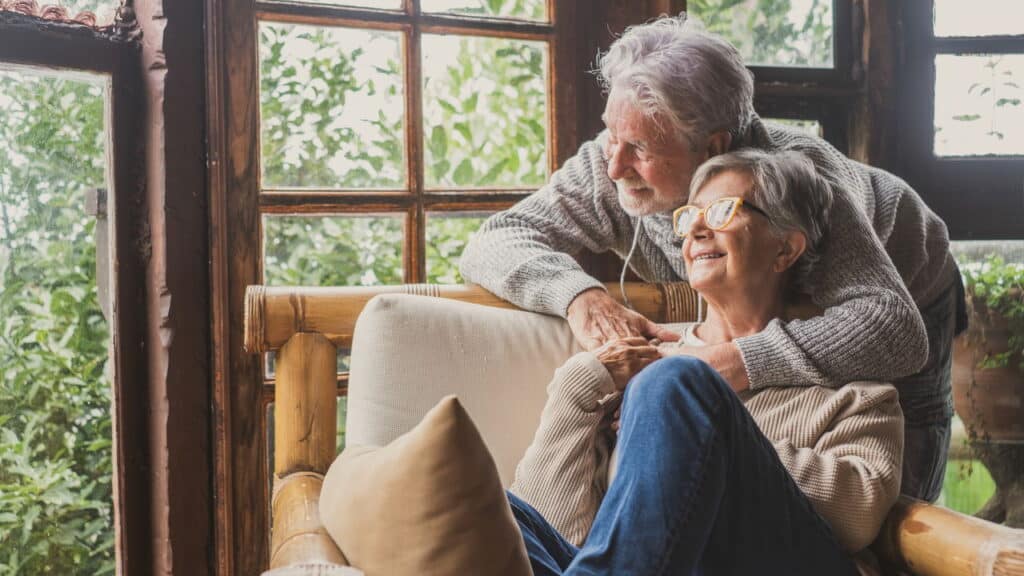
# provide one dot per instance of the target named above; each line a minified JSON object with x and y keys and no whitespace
{"x":632,"y":205}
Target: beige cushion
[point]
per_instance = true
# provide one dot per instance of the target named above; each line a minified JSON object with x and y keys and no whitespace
{"x":428,"y":503}
{"x":409,"y":352}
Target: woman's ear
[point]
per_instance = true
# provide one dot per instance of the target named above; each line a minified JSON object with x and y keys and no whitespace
{"x":791,"y":248}
{"x":718,"y":143}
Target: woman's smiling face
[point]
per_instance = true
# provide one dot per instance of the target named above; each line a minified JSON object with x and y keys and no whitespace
{"x":740,"y":258}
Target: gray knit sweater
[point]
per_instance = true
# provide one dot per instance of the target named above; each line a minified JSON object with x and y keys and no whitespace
{"x":871,"y":329}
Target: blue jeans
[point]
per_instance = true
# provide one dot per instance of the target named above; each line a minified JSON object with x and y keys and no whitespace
{"x":926,"y":398}
{"x":699,"y":490}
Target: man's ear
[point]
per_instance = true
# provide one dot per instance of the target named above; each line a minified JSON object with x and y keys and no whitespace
{"x":791,"y":248}
{"x":718,"y":143}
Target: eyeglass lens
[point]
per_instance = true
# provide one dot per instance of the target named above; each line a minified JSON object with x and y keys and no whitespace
{"x":716,"y":215}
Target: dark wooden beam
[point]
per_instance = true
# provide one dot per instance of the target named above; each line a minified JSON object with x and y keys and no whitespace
{"x":177,"y":286}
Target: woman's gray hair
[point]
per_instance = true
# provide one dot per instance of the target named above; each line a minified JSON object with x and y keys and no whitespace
{"x":672,"y":68}
{"x":788,"y":187}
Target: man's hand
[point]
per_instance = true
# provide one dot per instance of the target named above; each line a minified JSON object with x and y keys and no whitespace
{"x":596,"y":318}
{"x":725,"y":358}
{"x":625,"y":357}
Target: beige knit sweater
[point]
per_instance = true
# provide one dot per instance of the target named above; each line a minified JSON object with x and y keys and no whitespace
{"x":843,"y":447}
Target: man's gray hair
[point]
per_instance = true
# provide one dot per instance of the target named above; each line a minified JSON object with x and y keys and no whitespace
{"x":788,"y":187}
{"x":672,"y":68}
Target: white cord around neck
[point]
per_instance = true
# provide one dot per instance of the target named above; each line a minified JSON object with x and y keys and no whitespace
{"x":625,"y":265}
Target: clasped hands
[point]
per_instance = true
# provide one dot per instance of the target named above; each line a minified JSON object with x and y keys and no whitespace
{"x":624,"y":341}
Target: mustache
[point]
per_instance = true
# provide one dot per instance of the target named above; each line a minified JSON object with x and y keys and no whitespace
{"x":631,"y":183}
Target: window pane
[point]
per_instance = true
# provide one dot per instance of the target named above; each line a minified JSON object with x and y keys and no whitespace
{"x":447,"y":235}
{"x":484,"y":112}
{"x":331,"y":107}
{"x":987,"y":399}
{"x":978,"y":104}
{"x":980,"y":18}
{"x":103,"y":9}
{"x":270,"y":362}
{"x":772,"y":32}
{"x":332,"y":250}
{"x":379,"y":4}
{"x":522,"y":9}
{"x":812,"y":127}
{"x":56,"y":471}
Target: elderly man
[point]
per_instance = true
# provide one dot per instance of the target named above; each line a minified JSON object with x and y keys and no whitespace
{"x":678,"y":96}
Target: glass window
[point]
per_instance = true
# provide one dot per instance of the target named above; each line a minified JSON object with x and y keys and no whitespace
{"x":978,"y":104}
{"x":522,"y":9}
{"x":332,"y":250}
{"x":447,"y":235}
{"x":331,"y":107}
{"x":978,"y":18}
{"x":56,"y":444}
{"x":484,"y":112}
{"x":772,"y":32}
{"x":812,"y":127}
{"x":980,"y":392}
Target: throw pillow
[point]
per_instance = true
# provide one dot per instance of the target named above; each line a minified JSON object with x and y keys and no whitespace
{"x":430,"y":502}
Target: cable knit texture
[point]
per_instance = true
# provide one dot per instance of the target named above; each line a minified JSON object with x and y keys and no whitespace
{"x":843,"y":448}
{"x":871,"y":329}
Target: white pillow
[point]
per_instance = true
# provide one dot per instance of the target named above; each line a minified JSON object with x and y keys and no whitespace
{"x":409,"y":351}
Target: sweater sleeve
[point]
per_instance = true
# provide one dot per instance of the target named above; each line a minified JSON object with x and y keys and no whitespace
{"x":526,"y":254}
{"x":852,"y":475}
{"x":870,"y":330}
{"x":561,"y":474}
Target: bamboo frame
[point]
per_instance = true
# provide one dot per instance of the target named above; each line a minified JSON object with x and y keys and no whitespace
{"x":927,"y":540}
{"x":275,"y":315}
{"x":304,"y":440}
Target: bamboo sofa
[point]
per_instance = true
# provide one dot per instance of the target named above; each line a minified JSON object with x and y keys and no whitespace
{"x":306,"y":327}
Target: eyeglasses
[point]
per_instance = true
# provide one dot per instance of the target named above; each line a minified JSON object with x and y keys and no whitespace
{"x":717,"y":215}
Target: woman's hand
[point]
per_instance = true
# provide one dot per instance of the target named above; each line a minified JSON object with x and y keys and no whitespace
{"x":625,"y":357}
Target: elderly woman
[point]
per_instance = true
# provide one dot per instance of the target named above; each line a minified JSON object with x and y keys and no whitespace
{"x":779,"y":481}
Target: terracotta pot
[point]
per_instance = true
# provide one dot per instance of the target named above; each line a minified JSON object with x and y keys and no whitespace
{"x":990,"y":401}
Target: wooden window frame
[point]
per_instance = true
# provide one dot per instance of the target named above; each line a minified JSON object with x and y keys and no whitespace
{"x":822,"y":94}
{"x":237,"y":204}
{"x":55,"y":46}
{"x":979,"y":197}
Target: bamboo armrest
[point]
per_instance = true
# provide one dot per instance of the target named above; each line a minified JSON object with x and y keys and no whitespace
{"x":273,"y":314}
{"x":307,"y":325}
{"x":931,"y":540}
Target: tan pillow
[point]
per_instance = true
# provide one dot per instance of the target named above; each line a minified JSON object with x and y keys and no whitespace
{"x":428,"y":503}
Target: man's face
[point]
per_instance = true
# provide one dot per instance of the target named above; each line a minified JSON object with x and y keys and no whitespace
{"x":651,"y":171}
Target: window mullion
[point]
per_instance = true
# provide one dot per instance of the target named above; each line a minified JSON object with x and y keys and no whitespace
{"x":415,"y":241}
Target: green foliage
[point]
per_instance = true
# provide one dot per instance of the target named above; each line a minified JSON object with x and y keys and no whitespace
{"x":55,"y":427}
{"x":1000,"y":286}
{"x":764,"y":33}
{"x":527,"y":9}
{"x":967,"y":486}
{"x":1000,"y":89}
{"x":484,"y":126}
{"x":484,"y":115}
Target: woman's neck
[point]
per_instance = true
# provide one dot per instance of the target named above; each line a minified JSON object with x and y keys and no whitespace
{"x":733,"y":318}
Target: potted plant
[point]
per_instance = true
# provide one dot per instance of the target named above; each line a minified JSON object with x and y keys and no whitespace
{"x":988,"y":380}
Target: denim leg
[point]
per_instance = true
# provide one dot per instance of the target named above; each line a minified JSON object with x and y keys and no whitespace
{"x":549,"y":553}
{"x":699,"y":489}
{"x":926,"y":400}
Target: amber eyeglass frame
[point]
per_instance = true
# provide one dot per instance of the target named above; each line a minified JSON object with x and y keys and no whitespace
{"x":737,"y":203}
